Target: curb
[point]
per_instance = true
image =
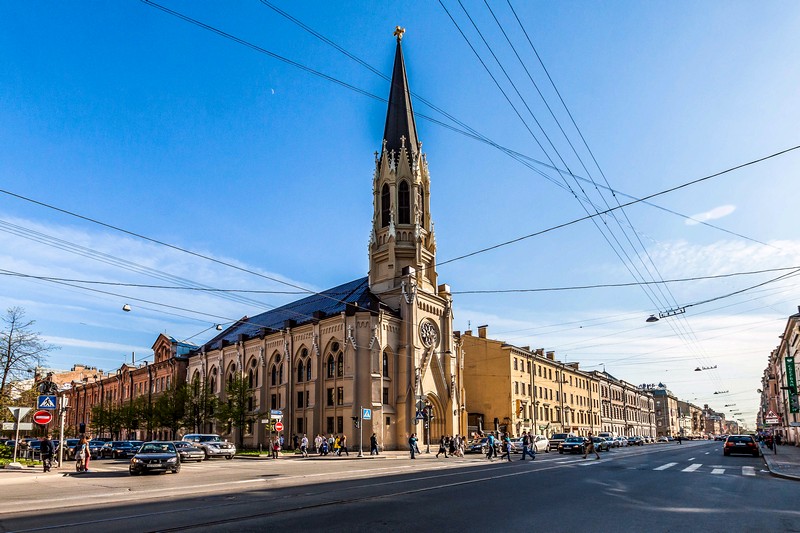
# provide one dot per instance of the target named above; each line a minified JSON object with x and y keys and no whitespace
{"x":779,"y":474}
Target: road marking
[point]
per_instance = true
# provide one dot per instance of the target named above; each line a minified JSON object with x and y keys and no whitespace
{"x":748,"y":471}
{"x":708,"y":453}
{"x":664,"y":467}
{"x":692,"y":468}
{"x":691,"y":458}
{"x":587,"y":462}
{"x":718,"y":471}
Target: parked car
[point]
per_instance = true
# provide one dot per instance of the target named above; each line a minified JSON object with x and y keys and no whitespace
{"x":635,"y":441}
{"x":541,"y":443}
{"x":572,"y":445}
{"x":69,"y":448}
{"x":621,"y":442}
{"x":155,"y":457}
{"x":213,"y":445}
{"x":118,"y":448}
{"x":601,"y":444}
{"x":188,"y":452}
{"x":558,"y":438}
{"x":740,"y":444}
{"x":95,"y":446}
{"x":663,"y":439}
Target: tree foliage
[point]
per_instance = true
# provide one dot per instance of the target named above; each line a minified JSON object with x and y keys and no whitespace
{"x":201,"y":406}
{"x":237,"y":412}
{"x":169,"y":409}
{"x":21,"y":350}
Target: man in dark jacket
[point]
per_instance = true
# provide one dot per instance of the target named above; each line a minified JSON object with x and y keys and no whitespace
{"x":47,"y":450}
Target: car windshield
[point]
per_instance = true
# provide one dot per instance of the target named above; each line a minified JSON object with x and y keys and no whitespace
{"x":574,"y":439}
{"x":157,"y":447}
{"x":740,"y":438}
{"x":210,"y":438}
{"x":560,"y":436}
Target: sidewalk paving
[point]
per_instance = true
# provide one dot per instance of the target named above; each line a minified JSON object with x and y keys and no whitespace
{"x":785,"y":463}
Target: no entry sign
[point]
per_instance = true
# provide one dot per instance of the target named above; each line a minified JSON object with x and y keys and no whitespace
{"x":278,"y":426}
{"x":42,"y":417}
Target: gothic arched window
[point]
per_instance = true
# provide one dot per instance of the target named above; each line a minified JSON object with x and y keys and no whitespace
{"x":330,"y":366}
{"x":340,"y":366}
{"x":274,"y":376}
{"x":308,"y":370}
{"x":300,"y":372}
{"x":280,"y":374}
{"x":385,"y":365}
{"x":385,"y":205}
{"x":404,"y":204}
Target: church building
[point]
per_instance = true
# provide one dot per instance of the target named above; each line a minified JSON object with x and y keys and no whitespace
{"x":383,"y":343}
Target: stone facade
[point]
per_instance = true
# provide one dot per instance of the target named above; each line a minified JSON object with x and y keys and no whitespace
{"x":626,"y":409}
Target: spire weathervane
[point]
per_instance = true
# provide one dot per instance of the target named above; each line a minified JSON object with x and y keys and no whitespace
{"x":398,"y":32}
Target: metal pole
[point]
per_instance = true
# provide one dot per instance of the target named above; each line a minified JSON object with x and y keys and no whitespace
{"x":62,"y":409}
{"x":16,"y":438}
{"x":360,"y":431}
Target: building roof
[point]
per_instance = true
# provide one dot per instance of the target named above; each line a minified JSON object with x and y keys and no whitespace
{"x":400,"y":115}
{"x":315,"y":307}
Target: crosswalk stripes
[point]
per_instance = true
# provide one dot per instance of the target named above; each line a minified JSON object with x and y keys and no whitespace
{"x":664,"y":467}
{"x":718,"y":471}
{"x":692,"y":468}
{"x":748,"y":471}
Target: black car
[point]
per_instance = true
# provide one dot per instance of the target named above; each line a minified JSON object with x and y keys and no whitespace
{"x":572,"y":445}
{"x":740,"y":444}
{"x":155,"y":457}
{"x":188,"y":452}
{"x":118,"y":448}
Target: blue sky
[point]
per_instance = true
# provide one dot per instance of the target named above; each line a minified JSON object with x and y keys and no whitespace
{"x":125,"y":114}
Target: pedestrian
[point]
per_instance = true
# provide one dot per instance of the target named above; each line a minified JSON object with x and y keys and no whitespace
{"x":490,"y":445}
{"x":331,"y":440}
{"x":373,"y":444}
{"x":343,"y":446}
{"x":527,"y":446}
{"x":451,"y":442}
{"x":323,"y":448}
{"x":281,"y":441}
{"x":337,"y":446}
{"x":412,"y":444}
{"x":82,"y":455}
{"x":318,"y":443}
{"x":442,"y":447}
{"x":47,"y":450}
{"x":304,"y":445}
{"x":506,"y":448}
{"x":589,"y":448}
{"x":276,"y":447}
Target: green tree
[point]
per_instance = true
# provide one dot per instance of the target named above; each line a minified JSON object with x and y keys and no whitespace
{"x":237,"y":411}
{"x":170,"y":408}
{"x":201,"y":406}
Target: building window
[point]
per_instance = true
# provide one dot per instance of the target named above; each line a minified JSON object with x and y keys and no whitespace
{"x":388,"y":421}
{"x":300,"y":399}
{"x":404,"y":204}
{"x":340,"y":365}
{"x":329,"y":425}
{"x":516,"y":388}
{"x":385,"y":365}
{"x":339,"y":395}
{"x":339,"y":424}
{"x":299,"y":425}
{"x":308,"y":370}
{"x":280,"y":374}
{"x":329,"y":402}
{"x":330,"y":366}
{"x":273,"y":402}
{"x":300,"y":372}
{"x":385,"y":206}
{"x":274,"y":376}
{"x":386,"y":395}
{"x":516,"y":364}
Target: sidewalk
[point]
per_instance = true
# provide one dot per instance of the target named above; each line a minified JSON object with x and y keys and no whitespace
{"x":785,"y":464}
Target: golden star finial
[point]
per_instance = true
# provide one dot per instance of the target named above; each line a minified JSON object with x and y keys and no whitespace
{"x":398,"y":32}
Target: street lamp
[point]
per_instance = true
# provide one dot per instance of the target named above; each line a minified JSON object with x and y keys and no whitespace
{"x":651,"y":319}
{"x":126,"y":308}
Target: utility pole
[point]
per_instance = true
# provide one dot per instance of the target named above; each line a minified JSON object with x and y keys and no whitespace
{"x":62,"y":410}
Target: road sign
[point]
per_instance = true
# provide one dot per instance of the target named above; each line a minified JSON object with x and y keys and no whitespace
{"x":420,"y":405}
{"x":8,"y":426}
{"x":19,"y":412}
{"x":23,"y":426}
{"x":772,"y":418}
{"x":366,"y":414}
{"x":278,"y":426}
{"x":42,"y":417}
{"x":420,"y":415}
{"x":46,"y":401}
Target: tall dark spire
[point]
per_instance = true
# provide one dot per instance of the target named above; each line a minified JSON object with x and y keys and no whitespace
{"x":400,"y":115}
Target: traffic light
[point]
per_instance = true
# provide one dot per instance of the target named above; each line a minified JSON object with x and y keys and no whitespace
{"x":356,"y":421}
{"x":81,"y":428}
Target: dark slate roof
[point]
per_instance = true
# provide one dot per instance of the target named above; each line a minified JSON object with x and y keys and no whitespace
{"x":400,"y":115}
{"x":315,"y":307}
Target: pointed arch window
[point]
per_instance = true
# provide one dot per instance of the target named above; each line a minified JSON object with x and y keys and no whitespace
{"x":300,"y":372}
{"x":308,"y":370}
{"x":385,"y":365}
{"x":330,"y":366}
{"x":274,"y":376}
{"x":404,"y":204}
{"x":280,"y":375}
{"x":385,"y":205}
{"x":213,"y":380}
{"x":340,"y":366}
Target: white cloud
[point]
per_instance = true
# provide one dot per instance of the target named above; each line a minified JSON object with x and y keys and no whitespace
{"x":713,"y":214}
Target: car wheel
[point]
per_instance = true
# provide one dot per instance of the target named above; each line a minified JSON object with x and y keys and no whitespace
{"x":228,"y":457}
{"x":547,"y":450}
{"x":726,"y":453}
{"x":176,"y":469}
{"x":561,"y":452}
{"x":134,"y":472}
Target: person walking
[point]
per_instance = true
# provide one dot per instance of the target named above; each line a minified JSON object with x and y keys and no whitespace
{"x":318,"y":443}
{"x":343,"y":446}
{"x":442,"y":447}
{"x":589,"y":448}
{"x":490,"y":445}
{"x":82,"y":455}
{"x":337,"y":445}
{"x":412,"y":444}
{"x":304,"y":445}
{"x":276,"y":447}
{"x":527,"y":446}
{"x":373,"y":444}
{"x":47,"y":450}
{"x":506,"y":448}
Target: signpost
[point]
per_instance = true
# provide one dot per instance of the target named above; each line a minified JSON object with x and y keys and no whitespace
{"x":46,"y":401}
{"x":19,"y":413}
{"x":772,"y":418}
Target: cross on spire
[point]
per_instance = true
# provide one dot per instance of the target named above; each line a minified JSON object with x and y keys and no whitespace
{"x":398,"y":32}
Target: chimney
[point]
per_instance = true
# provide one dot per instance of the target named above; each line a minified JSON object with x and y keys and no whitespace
{"x":482,"y":331}
{"x":551,"y":355}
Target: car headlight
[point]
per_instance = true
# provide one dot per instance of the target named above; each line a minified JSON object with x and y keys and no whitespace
{"x":135,"y":460}
{"x":172,"y":460}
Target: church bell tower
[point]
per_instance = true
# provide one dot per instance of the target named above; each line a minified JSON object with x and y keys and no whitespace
{"x":402,"y":242}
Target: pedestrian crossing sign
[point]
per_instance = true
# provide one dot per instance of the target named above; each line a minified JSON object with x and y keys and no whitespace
{"x":366,"y":414}
{"x":46,"y":401}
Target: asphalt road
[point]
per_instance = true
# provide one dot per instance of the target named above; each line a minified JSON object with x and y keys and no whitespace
{"x":660,"y":487}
